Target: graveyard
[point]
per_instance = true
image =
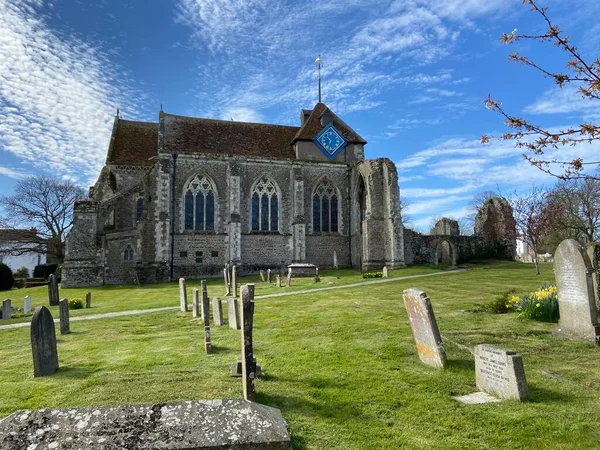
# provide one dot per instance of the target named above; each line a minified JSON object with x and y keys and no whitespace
{"x":340,"y":364}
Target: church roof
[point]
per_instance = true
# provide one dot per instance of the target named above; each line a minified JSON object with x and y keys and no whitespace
{"x":225,"y":137}
{"x":313,"y":126}
{"x":133,"y":143}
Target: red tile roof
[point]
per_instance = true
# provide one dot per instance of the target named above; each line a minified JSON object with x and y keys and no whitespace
{"x":133,"y":143}
{"x":313,"y":126}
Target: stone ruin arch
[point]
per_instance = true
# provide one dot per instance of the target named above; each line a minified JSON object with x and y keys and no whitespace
{"x":444,"y":250}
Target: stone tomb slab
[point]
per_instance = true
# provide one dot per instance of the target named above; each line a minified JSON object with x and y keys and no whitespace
{"x":500,"y":372}
{"x":302,"y":270}
{"x":476,"y":398}
{"x":424,"y":328}
{"x":214,"y":424}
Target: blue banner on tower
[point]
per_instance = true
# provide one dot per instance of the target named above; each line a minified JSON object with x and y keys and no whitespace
{"x":330,"y":141}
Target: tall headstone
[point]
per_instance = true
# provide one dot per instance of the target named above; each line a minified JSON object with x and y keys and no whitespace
{"x":248,"y":361}
{"x":6,"y":309}
{"x":206,"y":321}
{"x":593,"y":251}
{"x":63,"y":309}
{"x":217,"y":306}
{"x":234,"y":281}
{"x":268,"y":275}
{"x":233,"y":313}
{"x":52,"y":290}
{"x":385,"y":272}
{"x":263,"y":276}
{"x":227,"y":284}
{"x":88,"y":300}
{"x":289,"y":278}
{"x":195,"y":303}
{"x":278,"y":281}
{"x":424,"y":328}
{"x":204,"y":302}
{"x":182,"y":295}
{"x":335,"y":261}
{"x":43,"y":343}
{"x":573,"y":272}
{"x":27,"y":304}
{"x":500,"y":372}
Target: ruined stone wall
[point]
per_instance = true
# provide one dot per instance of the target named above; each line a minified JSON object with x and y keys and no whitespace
{"x":420,"y":248}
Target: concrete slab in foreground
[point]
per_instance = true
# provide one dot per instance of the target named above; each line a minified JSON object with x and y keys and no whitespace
{"x":214,"y":424}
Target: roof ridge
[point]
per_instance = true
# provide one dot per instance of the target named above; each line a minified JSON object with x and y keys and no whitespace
{"x":227,"y":121}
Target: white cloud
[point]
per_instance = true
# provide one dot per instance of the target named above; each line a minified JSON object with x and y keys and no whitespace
{"x":242,"y":114}
{"x":13,"y":173}
{"x":565,"y":101}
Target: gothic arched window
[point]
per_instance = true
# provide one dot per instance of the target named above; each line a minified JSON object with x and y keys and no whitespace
{"x":199,"y":204}
{"x":128,"y":253}
{"x":265,"y":206}
{"x":325,"y":208}
{"x":139,"y":209}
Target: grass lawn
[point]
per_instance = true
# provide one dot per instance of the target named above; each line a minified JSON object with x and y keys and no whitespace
{"x":341,"y":365}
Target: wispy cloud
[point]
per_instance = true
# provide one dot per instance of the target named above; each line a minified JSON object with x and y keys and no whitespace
{"x":13,"y":173}
{"x":57,"y":95}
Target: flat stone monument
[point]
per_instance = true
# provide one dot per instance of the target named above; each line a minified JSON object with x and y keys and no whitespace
{"x":63,"y":309}
{"x":43,"y":344}
{"x":88,"y":300}
{"x":198,"y":425}
{"x":217,"y":306}
{"x":6,"y":309}
{"x":195,"y":303}
{"x":27,"y":304}
{"x":576,"y":302}
{"x":183,"y":295}
{"x":52,"y":290}
{"x":302,"y":269}
{"x":424,"y":328}
{"x":500,"y":372}
{"x":233,"y":313}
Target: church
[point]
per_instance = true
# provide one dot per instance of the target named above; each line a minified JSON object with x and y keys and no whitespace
{"x":183,"y":196}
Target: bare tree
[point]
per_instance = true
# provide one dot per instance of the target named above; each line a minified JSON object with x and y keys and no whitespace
{"x":44,"y":205}
{"x":535,"y":139}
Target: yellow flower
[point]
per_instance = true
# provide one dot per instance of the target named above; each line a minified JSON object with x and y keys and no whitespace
{"x":537,"y":305}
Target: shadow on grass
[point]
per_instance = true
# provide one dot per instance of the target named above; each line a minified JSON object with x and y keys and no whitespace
{"x":215,"y":349}
{"x":461,"y":365}
{"x":538,"y":394}
{"x":73,"y":372}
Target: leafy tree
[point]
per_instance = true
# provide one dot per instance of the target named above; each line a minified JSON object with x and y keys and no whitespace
{"x":45,"y":204}
{"x":535,"y":139}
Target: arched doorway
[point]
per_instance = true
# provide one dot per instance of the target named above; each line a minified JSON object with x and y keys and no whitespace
{"x":445,"y":252}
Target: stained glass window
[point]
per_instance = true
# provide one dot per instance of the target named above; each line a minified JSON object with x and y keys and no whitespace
{"x":325,"y":208}
{"x":265,"y":206}
{"x":199,"y":204}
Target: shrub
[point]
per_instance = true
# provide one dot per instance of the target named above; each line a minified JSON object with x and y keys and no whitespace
{"x":317,"y":279}
{"x":501,"y":304}
{"x":58,"y":272}
{"x":6,"y":278}
{"x":76,"y":303}
{"x":23,"y":272}
{"x":372,"y":275}
{"x":541,"y":305}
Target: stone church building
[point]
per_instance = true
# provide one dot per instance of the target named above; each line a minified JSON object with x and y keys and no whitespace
{"x":184,"y":196}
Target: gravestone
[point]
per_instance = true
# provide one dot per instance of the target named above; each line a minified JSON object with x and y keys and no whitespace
{"x":424,"y":328}
{"x":278,"y":281}
{"x":182,"y":295}
{"x":248,"y":360}
{"x":27,"y":304}
{"x":335,"y":261}
{"x":236,"y":369}
{"x":234,"y":281}
{"x":195,"y":303}
{"x":52,"y":290}
{"x":43,"y":343}
{"x":217,"y":311}
{"x":195,"y":425}
{"x":263,"y":275}
{"x":576,"y":302}
{"x":6,"y":309}
{"x":385,"y":271}
{"x":227,"y":284}
{"x":268,"y":275}
{"x":88,"y":300}
{"x":288,"y":282}
{"x":204,"y":302}
{"x":233,"y":313}
{"x":206,"y":317}
{"x":593,"y":251}
{"x":63,"y":309}
{"x":500,"y":372}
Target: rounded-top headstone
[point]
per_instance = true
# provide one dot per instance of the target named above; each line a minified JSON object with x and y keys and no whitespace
{"x":43,"y":343}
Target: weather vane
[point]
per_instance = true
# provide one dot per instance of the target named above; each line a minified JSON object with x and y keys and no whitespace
{"x":319,"y":65}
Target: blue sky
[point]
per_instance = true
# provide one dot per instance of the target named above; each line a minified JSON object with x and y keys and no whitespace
{"x":410,"y":76}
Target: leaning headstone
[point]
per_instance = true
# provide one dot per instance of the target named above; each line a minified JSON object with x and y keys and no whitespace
{"x":63,"y":309}
{"x":278,"y":281}
{"x":248,"y":361}
{"x":27,"y":304}
{"x":88,"y":300}
{"x":52,"y":290}
{"x":268,"y":275}
{"x":234,"y":281}
{"x":233,"y":313}
{"x":43,"y":343}
{"x":195,"y":303}
{"x":204,"y":302}
{"x":6,"y":309}
{"x":217,"y":306}
{"x":227,"y":284}
{"x":182,"y":295}
{"x":576,"y":303}
{"x":500,"y":372}
{"x":385,"y":271}
{"x":263,"y":276}
{"x":424,"y":328}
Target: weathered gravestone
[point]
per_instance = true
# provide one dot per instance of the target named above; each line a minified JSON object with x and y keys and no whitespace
{"x":576,"y":303}
{"x":384,"y":272}
{"x":217,"y":306}
{"x":195,"y":303}
{"x":206,"y":318}
{"x":52,"y":290}
{"x":424,"y":328}
{"x":27,"y":304}
{"x":6,"y":309}
{"x":205,"y":301}
{"x":63,"y":309}
{"x":43,"y":343}
{"x":278,"y":281}
{"x":182,"y":295}
{"x":234,"y":281}
{"x":226,"y":281}
{"x":500,"y":372}
{"x":289,"y":278}
{"x":268,"y":275}
{"x":335,"y":261}
{"x":197,"y":425}
{"x":593,"y":251}
{"x":233,"y":314}
{"x":88,"y":300}
{"x":248,"y":361}
{"x":263,"y":275}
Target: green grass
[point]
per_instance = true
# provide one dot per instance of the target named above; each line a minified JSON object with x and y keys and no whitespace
{"x":341,"y":365}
